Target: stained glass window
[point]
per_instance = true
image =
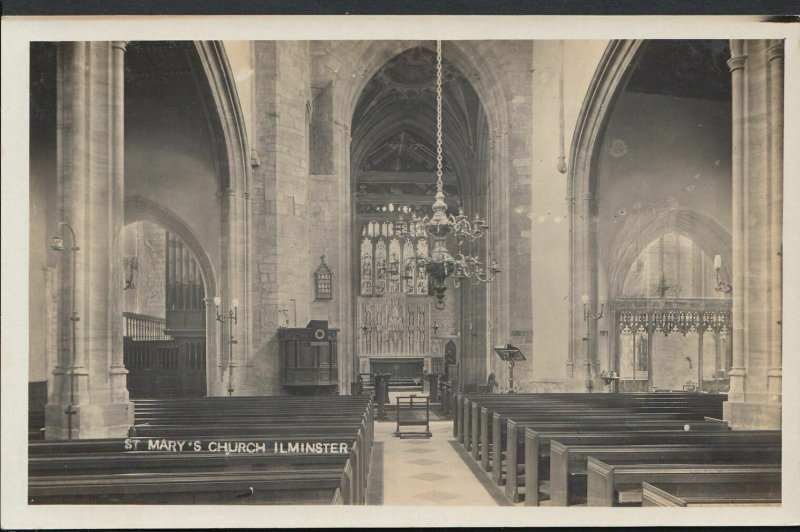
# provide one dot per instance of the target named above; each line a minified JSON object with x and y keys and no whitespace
{"x":388,"y":254}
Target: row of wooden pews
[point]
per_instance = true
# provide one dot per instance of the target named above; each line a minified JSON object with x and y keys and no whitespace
{"x":599,"y":449}
{"x":241,"y":450}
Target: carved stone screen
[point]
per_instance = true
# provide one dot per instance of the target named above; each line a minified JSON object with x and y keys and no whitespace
{"x":395,"y":325}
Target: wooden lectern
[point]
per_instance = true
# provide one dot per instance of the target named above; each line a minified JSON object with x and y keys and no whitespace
{"x":511,"y":355}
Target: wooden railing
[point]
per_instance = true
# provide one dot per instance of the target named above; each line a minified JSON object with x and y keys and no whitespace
{"x":140,"y":327}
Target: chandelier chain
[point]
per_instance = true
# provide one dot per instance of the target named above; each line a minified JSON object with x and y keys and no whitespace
{"x":439,"y":184}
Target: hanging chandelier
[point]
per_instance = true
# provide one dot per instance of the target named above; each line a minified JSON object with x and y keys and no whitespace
{"x":441,"y":264}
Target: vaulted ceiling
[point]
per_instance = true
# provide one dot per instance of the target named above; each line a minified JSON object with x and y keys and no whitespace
{"x":394,"y":126}
{"x":683,"y":68}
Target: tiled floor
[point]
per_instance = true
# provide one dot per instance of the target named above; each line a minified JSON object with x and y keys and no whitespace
{"x":426,"y":472}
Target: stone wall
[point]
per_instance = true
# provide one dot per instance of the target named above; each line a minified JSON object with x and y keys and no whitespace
{"x":279,"y":201}
{"x":549,"y":222}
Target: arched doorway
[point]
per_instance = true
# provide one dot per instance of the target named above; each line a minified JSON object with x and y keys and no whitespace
{"x":163,"y":314}
{"x":393,"y":161}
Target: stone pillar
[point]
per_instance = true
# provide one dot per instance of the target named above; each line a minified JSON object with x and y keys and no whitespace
{"x":348,"y":363}
{"x":279,"y":204}
{"x":737,"y":372}
{"x":590,"y":287}
{"x":774,"y":55}
{"x":118,"y":373}
{"x":88,"y":397}
{"x":757,"y":73}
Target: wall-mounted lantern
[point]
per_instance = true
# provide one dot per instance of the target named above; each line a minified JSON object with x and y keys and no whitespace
{"x":323,"y":281}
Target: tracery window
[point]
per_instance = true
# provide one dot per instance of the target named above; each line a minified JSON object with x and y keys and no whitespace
{"x":671,"y":267}
{"x":388,"y":251}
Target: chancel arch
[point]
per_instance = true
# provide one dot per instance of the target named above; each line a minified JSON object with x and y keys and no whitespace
{"x":393,"y":162}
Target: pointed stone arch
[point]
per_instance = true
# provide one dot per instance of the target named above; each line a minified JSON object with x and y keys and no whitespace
{"x":479,"y":64}
{"x":639,"y":233}
{"x":608,"y":82}
{"x":233,"y":159}
{"x":137,"y":209}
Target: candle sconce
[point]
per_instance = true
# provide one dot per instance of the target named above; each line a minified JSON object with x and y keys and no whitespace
{"x":722,"y":286}
{"x":231,"y":318}
{"x":587,"y":316}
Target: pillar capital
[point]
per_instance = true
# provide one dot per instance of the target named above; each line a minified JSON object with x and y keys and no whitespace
{"x":737,"y":62}
{"x":120,"y":45}
{"x":774,"y":52}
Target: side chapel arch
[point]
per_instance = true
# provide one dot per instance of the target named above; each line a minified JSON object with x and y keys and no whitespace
{"x":608,"y":82}
{"x":233,"y":159}
{"x":137,"y":209}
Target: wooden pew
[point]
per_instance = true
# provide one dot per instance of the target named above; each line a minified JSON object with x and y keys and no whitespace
{"x":143,"y":463}
{"x":541,"y":406}
{"x":712,"y":403}
{"x":537,"y":446}
{"x":515,"y":439}
{"x":340,"y":420}
{"x":249,"y":487}
{"x":606,"y":480}
{"x":303,"y":432}
{"x":234,"y":418}
{"x":515,"y":442}
{"x":764,"y":493}
{"x":500,"y":419}
{"x":568,"y":462}
{"x":475,"y":407}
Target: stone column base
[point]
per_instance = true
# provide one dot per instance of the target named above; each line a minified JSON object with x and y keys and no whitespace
{"x":765,"y":416}
{"x":89,"y":421}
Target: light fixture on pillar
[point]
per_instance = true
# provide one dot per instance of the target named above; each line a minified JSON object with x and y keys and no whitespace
{"x":441,"y":264}
{"x":231,"y":319}
{"x":588,"y":315}
{"x":722,"y":286}
{"x":58,"y":245}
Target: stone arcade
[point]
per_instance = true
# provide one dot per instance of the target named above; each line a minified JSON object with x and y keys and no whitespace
{"x":633,"y":191}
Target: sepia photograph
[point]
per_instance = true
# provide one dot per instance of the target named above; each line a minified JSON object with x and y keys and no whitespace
{"x":521,"y":274}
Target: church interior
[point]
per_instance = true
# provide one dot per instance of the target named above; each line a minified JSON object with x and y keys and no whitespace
{"x":544,"y":254}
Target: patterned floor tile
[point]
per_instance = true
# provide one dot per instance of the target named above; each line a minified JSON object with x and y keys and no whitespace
{"x":437,"y":496}
{"x":424,"y":461}
{"x":430,"y":476}
{"x":420,"y":451}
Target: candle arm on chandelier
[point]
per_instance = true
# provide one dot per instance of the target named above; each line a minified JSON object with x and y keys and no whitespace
{"x":441,"y":264}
